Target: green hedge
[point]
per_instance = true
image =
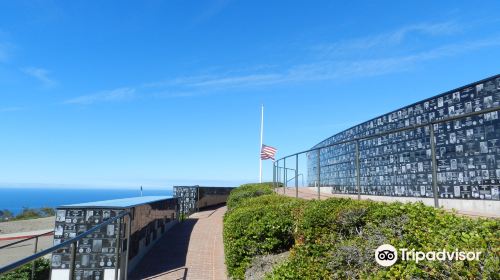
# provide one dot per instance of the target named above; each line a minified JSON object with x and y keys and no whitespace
{"x":337,"y":238}
{"x":258,"y":222}
{"x":247,"y":191}
{"x":42,"y":271}
{"x":259,"y":226}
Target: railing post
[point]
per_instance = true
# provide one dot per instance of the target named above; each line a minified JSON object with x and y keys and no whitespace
{"x":278,"y":178}
{"x":284,"y":176}
{"x":319,"y":172}
{"x":129,"y":231}
{"x":357,"y":171}
{"x":72,"y":260}
{"x":297,"y":176}
{"x":33,"y":264}
{"x":434,"y":166}
{"x":274,"y":174}
{"x":117,"y":248}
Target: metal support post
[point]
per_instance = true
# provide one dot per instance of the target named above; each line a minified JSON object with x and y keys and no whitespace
{"x":33,"y":264}
{"x":72,"y":260}
{"x":274,"y":174}
{"x":117,"y":248}
{"x":278,"y":178}
{"x":357,"y":171}
{"x":284,"y":175}
{"x":434,"y":167}
{"x":129,"y":231}
{"x":297,"y":176}
{"x":319,"y":172}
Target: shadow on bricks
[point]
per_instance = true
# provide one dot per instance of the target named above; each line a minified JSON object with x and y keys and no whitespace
{"x":168,"y":255}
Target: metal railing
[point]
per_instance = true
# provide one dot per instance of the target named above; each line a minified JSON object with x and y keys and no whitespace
{"x":73,"y":243}
{"x":35,"y":249}
{"x":27,"y":239}
{"x":277,"y":167}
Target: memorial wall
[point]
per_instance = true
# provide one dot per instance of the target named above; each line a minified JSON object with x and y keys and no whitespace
{"x":193,"y":198}
{"x":467,"y":149}
{"x":103,"y":253}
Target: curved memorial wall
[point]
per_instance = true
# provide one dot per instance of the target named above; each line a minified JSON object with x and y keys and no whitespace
{"x":394,"y":152}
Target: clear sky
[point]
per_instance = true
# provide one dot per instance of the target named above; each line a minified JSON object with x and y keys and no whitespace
{"x":156,"y":93}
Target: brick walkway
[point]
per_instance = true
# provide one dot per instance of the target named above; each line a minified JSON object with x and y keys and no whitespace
{"x":192,"y":249}
{"x":306,"y":193}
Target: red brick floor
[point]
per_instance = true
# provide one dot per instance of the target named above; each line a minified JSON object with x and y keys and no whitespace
{"x":192,"y":249}
{"x":303,"y":193}
{"x":306,"y":193}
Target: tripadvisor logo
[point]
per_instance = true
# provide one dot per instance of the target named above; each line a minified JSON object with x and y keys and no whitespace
{"x":387,"y":255}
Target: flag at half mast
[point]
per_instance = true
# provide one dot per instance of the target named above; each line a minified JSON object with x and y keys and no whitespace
{"x":267,"y":152}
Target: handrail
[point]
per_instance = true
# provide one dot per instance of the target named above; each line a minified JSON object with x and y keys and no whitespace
{"x":23,"y":240}
{"x":356,"y":141}
{"x":66,"y":243}
{"x":411,"y":127}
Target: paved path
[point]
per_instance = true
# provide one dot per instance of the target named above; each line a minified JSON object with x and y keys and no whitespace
{"x":313,"y":194}
{"x":304,"y":193}
{"x":24,"y":249}
{"x":190,"y":250}
{"x":23,"y":235}
{"x":27,"y":225}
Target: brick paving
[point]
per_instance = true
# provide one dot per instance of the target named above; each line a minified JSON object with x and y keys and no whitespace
{"x":306,"y":193}
{"x":192,"y":249}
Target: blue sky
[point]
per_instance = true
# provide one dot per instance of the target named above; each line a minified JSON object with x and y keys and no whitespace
{"x":156,"y":93}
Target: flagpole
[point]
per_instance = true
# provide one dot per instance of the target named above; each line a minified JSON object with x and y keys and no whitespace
{"x":261,"y":137}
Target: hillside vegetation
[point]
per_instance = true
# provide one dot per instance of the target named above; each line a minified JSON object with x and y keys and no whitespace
{"x":337,"y":238}
{"x":27,"y":213}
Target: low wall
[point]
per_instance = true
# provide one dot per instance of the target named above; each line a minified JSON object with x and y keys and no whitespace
{"x":487,"y":208}
{"x":211,"y":200}
{"x":113,"y":250}
{"x":144,"y":249}
{"x":192,"y":198}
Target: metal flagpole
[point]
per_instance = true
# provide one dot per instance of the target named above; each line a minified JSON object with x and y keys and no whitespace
{"x":261,"y":136}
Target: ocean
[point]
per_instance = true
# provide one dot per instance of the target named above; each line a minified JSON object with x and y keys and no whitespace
{"x":15,"y":199}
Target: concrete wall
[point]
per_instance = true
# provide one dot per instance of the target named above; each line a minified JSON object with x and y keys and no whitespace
{"x":212,"y":199}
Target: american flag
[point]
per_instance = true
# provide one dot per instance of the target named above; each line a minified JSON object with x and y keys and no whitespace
{"x":267,"y":152}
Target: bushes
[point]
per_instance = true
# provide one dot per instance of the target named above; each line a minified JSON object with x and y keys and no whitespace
{"x":246,"y":191}
{"x":27,"y":213}
{"x":258,"y":226}
{"x":337,"y":238}
{"x":42,"y":271}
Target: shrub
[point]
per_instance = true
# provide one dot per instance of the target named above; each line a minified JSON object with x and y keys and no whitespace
{"x":300,"y":265}
{"x":337,"y":238}
{"x":321,"y":226}
{"x":5,"y":215}
{"x":34,"y":213}
{"x":258,"y":226}
{"x":247,"y":191}
{"x":48,"y":211}
{"x":42,"y":271}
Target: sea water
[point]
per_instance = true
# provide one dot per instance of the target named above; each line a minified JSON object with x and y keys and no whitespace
{"x":15,"y":199}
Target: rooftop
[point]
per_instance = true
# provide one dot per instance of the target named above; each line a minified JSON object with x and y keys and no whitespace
{"x":118,"y":203}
